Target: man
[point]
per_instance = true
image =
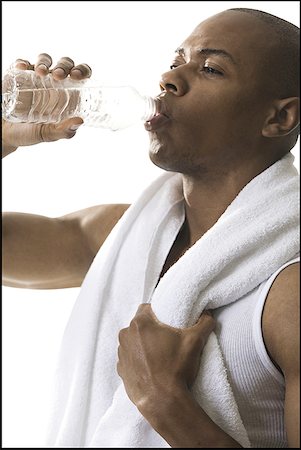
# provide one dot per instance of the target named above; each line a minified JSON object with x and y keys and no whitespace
{"x":231,"y":110}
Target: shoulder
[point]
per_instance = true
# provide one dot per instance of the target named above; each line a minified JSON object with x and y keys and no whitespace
{"x":99,"y":221}
{"x":280,"y":321}
{"x":96,"y":222}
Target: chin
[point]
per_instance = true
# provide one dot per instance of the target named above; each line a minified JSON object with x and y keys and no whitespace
{"x":171,"y":158}
{"x":165,"y":163}
{"x":159,"y":155}
{"x":172,"y":164}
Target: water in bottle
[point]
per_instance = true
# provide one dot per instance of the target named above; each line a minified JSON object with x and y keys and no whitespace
{"x":27,"y":97}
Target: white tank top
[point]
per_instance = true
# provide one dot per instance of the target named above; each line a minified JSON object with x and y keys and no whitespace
{"x":257,"y":384}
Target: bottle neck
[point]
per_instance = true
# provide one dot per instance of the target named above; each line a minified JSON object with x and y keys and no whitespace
{"x":151,"y":108}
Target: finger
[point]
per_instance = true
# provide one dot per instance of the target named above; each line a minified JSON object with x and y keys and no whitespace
{"x":204,"y":326}
{"x":23,"y":64}
{"x":206,"y":318}
{"x":81,"y":71}
{"x":43,"y":64}
{"x":144,"y":308}
{"x":118,"y":368}
{"x":119,"y":352}
{"x":64,"y":130}
{"x":63,"y":68}
{"x":122,"y":334}
{"x":145,"y":311}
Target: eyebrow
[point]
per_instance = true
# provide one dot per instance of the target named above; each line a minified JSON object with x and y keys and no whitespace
{"x":209,"y":51}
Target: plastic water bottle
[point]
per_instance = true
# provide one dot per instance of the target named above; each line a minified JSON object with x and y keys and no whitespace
{"x":27,"y":97}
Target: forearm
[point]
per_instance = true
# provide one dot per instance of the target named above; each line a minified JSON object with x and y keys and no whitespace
{"x":7,"y":149}
{"x":178,"y":418}
{"x":7,"y":145}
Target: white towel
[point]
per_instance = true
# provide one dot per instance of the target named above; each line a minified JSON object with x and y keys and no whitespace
{"x":257,"y":234}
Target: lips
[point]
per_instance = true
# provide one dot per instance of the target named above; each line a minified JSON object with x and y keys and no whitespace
{"x":156,"y":122}
{"x":161,"y":118}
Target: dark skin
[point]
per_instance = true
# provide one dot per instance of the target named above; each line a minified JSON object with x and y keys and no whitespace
{"x":219,"y":117}
{"x":221,"y":114}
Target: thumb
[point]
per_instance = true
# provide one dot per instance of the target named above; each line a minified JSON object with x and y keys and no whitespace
{"x":202,"y":329}
{"x":64,"y":130}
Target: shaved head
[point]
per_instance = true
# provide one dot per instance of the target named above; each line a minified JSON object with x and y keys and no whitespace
{"x":283,"y":62}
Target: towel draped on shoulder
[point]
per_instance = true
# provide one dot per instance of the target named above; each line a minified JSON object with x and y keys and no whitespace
{"x":257,"y":234}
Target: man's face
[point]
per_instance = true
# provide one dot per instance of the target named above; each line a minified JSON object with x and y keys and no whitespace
{"x":215,"y":96}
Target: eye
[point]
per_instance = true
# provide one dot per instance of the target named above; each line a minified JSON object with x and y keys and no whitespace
{"x":176,"y":62}
{"x":212,"y":71}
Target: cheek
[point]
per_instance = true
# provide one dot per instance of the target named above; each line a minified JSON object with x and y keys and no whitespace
{"x":221,"y":119}
{"x":204,"y":127}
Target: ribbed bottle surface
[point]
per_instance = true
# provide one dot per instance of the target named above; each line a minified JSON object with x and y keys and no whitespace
{"x":27,"y":97}
{"x":114,"y":107}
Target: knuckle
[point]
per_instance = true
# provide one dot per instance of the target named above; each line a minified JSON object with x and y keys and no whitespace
{"x":44,"y":58}
{"x":119,"y":354}
{"x":118,"y":368}
{"x":121,"y":335}
{"x":45,"y":133}
{"x":84,"y":69}
{"x":49,"y":132}
{"x":41,"y":69}
{"x":23,"y":64}
{"x":63,"y":67}
{"x":22,"y":61}
{"x":143,"y":307}
{"x":138,"y":323}
{"x":66,"y":62}
{"x":134,"y":323}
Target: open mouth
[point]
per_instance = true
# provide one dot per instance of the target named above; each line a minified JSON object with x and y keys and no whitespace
{"x":156,"y":122}
{"x":161,"y":118}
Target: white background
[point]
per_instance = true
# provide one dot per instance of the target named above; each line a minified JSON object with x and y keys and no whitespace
{"x":125,"y":43}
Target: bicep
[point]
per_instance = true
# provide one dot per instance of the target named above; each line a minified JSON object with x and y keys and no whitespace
{"x":281,"y":330}
{"x":292,"y":409}
{"x":96,"y":223}
{"x":50,"y":253}
{"x":42,"y":253}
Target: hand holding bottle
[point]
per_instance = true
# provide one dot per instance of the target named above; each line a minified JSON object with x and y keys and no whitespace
{"x":23,"y":134}
{"x":28,"y":97}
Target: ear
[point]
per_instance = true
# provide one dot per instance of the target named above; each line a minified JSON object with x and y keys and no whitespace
{"x":283,"y":117}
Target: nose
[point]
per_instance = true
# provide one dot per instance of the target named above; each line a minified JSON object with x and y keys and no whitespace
{"x":174,"y":82}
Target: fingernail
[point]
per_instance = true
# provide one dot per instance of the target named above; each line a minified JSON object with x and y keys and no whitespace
{"x":77,"y":72}
{"x":21,"y":64}
{"x":59,"y":71}
{"x":42,"y":66}
{"x":75,"y":127}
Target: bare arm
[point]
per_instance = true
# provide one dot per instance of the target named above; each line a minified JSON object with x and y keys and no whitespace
{"x":44,"y":252}
{"x":48,"y":253}
{"x":180,"y":420}
{"x":161,"y":391}
{"x":281,"y":329}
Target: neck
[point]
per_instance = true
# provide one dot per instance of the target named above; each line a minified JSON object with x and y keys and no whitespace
{"x":208,"y":196}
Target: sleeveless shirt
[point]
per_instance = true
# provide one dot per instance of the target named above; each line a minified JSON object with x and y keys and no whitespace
{"x":258,"y":386}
